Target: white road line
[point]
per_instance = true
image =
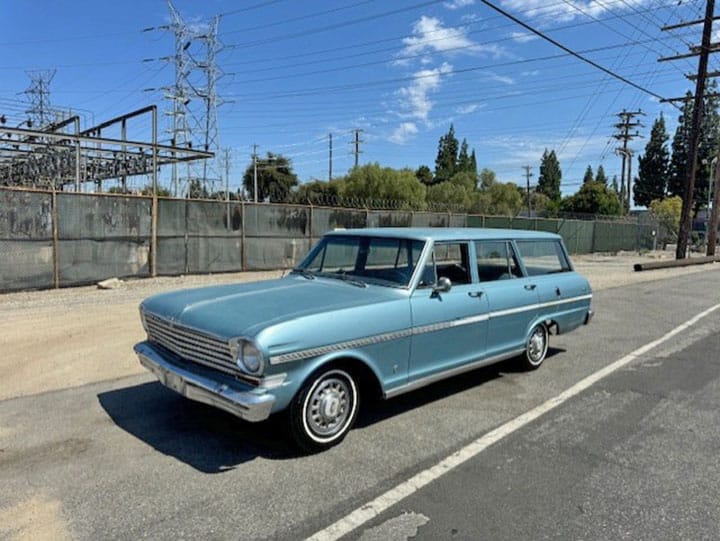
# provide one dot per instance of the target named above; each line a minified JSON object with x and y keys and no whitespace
{"x":370,"y":510}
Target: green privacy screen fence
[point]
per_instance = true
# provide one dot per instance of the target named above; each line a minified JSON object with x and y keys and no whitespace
{"x":54,"y":239}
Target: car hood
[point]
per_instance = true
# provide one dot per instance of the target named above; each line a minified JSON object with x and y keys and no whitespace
{"x":245,"y":309}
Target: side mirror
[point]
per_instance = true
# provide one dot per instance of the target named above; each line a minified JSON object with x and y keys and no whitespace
{"x":443,"y":286}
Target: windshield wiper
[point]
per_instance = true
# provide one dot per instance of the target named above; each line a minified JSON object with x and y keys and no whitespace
{"x":304,"y":273}
{"x":346,"y":278}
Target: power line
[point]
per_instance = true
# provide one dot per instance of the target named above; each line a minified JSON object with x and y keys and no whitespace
{"x":570,"y":51}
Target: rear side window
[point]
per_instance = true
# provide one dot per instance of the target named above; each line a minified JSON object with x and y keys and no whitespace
{"x":496,"y":261}
{"x":543,"y":257}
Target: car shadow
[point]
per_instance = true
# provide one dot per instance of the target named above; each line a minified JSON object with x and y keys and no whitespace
{"x":206,"y":438}
{"x":213,"y":441}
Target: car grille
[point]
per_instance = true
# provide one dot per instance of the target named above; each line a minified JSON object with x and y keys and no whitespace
{"x":190,"y":344}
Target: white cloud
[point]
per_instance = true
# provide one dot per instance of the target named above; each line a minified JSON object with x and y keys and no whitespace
{"x":403,"y":133}
{"x":500,"y":78}
{"x":467,"y":109}
{"x":415,"y":99}
{"x":568,"y":10}
{"x":531,"y":73}
{"x":431,"y":36}
{"x":457,"y":4}
{"x":522,"y":37}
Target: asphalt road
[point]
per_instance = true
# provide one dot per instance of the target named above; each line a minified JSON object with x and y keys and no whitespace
{"x":129,"y":459}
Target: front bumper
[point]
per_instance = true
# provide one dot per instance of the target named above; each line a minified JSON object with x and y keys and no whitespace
{"x":203,"y":388}
{"x":588,"y":317}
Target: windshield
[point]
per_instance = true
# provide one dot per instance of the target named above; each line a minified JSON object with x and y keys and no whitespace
{"x":378,"y":260}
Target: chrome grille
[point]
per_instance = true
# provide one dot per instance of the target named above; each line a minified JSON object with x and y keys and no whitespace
{"x":190,"y":344}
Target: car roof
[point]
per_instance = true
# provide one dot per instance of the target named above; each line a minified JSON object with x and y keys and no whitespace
{"x":447,"y":233}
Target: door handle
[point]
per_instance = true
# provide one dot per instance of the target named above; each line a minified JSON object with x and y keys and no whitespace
{"x":557,"y":291}
{"x":530,"y":287}
{"x":476,"y":294}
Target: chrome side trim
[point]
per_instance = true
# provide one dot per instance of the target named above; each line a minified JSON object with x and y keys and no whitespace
{"x":422,"y":382}
{"x":404,"y":333}
{"x":339,"y":346}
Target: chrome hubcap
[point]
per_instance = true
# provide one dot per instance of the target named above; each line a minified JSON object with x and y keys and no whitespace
{"x":536,"y":346}
{"x":329,"y":407}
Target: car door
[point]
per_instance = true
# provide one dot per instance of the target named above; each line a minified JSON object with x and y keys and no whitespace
{"x":563,"y":295}
{"x":449,"y":327}
{"x":512,"y":297}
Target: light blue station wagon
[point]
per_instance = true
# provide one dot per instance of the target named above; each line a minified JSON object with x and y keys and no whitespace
{"x":368,"y":312}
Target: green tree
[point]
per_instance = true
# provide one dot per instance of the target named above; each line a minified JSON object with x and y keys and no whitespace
{"x":677,"y":173}
{"x":447,"y":156}
{"x":499,"y":199}
{"x":321,"y":192}
{"x":424,"y":175}
{"x":473,"y":162}
{"x":600,"y":175}
{"x":667,"y":212}
{"x":589,"y":177}
{"x":487,"y":178}
{"x":592,"y":198}
{"x":371,"y":181}
{"x":449,"y":195}
{"x":708,"y":144}
{"x":465,"y":179}
{"x":275,"y":178}
{"x":463,"y":162}
{"x":197,"y":190}
{"x":550,"y":176}
{"x":651,"y":182}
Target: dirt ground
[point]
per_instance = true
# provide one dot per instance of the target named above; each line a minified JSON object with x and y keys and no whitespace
{"x":62,"y":338}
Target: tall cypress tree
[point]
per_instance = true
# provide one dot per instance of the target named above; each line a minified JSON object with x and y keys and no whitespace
{"x":447,"y":156}
{"x":600,"y":176}
{"x":652,"y":180}
{"x":677,"y":173}
{"x":550,"y":176}
{"x":463,"y":161}
{"x":708,"y":145}
{"x":588,"y":175}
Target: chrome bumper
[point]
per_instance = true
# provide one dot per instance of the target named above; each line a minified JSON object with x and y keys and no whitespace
{"x":589,"y":317}
{"x":246,"y":405}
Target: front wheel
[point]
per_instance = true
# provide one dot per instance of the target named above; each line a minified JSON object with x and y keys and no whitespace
{"x":324,"y":410}
{"x":535,"y":348}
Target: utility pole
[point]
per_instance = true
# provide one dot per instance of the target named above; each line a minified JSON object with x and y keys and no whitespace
{"x":255,"y":187}
{"x":528,"y":174}
{"x":356,"y":142}
{"x":703,"y":52}
{"x":624,"y":134}
{"x":330,"y":157}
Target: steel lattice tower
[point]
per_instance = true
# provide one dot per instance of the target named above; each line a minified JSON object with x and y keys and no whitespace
{"x":193,"y":98}
{"x":40,"y":113}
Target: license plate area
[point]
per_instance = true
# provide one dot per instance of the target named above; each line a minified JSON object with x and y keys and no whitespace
{"x":175,"y":382}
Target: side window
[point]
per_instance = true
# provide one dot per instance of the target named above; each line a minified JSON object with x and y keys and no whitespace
{"x":543,"y":257}
{"x":452,"y":261}
{"x":496,"y":261}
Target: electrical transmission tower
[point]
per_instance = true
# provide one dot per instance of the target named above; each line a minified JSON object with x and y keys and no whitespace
{"x":193,"y":98}
{"x":625,"y":134}
{"x":39,"y":113}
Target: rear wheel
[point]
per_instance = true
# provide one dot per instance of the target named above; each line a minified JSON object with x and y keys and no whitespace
{"x":535,"y":348}
{"x":324,"y":410}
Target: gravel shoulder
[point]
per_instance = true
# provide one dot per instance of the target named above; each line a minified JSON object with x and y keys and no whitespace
{"x":63,"y":338}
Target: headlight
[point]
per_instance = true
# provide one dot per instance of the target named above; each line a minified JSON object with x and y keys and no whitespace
{"x":248,"y":358}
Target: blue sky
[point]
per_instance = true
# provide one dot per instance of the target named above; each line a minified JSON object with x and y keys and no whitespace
{"x":401,"y":71}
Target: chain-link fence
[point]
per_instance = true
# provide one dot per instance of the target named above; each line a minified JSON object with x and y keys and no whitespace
{"x":61,"y":239}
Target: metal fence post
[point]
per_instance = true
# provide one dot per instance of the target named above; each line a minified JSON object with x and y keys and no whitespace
{"x":242,"y":234}
{"x":56,"y":241}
